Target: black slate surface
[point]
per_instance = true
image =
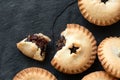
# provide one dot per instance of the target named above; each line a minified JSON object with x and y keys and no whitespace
{"x":19,"y":18}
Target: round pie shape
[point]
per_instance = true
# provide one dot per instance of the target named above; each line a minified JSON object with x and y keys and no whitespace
{"x":109,"y":55}
{"x":98,"y":75}
{"x":100,"y":13}
{"x":34,"y":73}
{"x":71,"y":61}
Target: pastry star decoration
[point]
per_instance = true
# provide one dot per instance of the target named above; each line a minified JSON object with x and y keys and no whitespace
{"x":73,"y":49}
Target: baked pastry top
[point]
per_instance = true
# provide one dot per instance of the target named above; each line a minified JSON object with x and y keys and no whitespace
{"x":76,"y":50}
{"x":34,"y":73}
{"x":100,"y":13}
{"x":98,"y":75}
{"x":109,"y":55}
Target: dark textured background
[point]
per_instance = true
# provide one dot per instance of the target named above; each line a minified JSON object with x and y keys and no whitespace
{"x":18,"y":18}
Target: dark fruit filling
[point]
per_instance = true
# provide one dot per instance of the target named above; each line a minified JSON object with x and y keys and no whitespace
{"x":104,"y":1}
{"x":40,"y":41}
{"x":60,"y":43}
{"x":73,"y":49}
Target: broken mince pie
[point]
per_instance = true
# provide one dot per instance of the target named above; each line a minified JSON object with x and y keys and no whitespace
{"x":34,"y":46}
{"x":76,"y":50}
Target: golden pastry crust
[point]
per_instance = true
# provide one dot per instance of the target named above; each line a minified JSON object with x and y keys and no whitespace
{"x":98,"y":75}
{"x":31,"y":50}
{"x":34,"y":73}
{"x":99,"y":13}
{"x":109,"y":55}
{"x":82,"y":59}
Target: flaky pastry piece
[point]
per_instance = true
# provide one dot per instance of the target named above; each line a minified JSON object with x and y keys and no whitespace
{"x":34,"y":46}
